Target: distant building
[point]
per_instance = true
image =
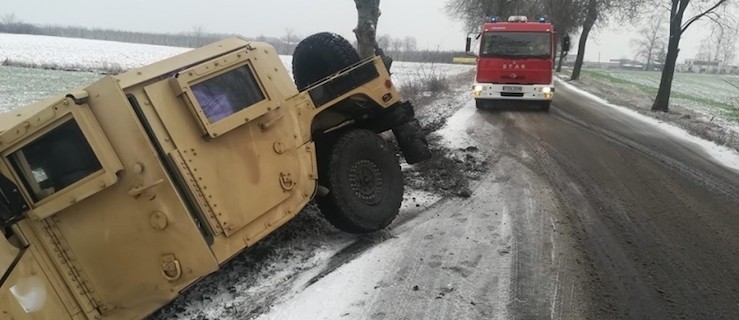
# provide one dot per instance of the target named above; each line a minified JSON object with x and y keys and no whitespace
{"x":625,"y":64}
{"x":703,"y":66}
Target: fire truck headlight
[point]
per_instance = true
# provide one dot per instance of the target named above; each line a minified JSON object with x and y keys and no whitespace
{"x":477,"y":88}
{"x":546,"y":90}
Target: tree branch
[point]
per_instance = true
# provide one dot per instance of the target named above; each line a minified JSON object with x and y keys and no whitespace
{"x":700,"y":15}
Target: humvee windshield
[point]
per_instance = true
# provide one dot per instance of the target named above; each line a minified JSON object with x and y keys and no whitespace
{"x":55,"y":160}
{"x":227,"y":93}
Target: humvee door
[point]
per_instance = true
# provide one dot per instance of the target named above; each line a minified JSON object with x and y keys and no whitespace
{"x":236,"y":145}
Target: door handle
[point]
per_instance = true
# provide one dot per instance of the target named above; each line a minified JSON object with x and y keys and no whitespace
{"x":136,"y":191}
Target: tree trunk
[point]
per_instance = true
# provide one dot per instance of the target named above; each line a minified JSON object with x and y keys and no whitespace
{"x":592,"y":15}
{"x":560,"y":60}
{"x":662,"y":101}
{"x":368,"y":12}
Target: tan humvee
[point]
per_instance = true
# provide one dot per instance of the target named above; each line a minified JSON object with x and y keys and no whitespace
{"x":118,"y":196}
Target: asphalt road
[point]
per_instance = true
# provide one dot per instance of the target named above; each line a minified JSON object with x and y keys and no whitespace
{"x":645,"y":225}
{"x":585,"y":213}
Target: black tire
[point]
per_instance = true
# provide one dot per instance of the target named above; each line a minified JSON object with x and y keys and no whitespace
{"x":481,"y":104}
{"x":545,"y":105}
{"x":412,"y":142}
{"x":320,"y":55}
{"x":364,"y":180}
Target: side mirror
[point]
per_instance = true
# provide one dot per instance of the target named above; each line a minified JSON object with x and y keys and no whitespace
{"x":7,"y":218}
{"x":468,"y":45}
{"x":12,"y":204}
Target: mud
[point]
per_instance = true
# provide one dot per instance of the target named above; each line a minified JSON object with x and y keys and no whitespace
{"x":449,"y":171}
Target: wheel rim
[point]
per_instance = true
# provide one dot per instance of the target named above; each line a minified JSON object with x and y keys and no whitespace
{"x":366,"y":181}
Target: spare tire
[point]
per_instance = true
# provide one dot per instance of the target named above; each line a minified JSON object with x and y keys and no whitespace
{"x":320,"y":55}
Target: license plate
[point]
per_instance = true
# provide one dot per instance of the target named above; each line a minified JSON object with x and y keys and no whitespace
{"x":512,"y":88}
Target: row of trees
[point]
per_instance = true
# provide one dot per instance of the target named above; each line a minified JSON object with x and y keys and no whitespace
{"x":400,"y":48}
{"x":569,"y":16}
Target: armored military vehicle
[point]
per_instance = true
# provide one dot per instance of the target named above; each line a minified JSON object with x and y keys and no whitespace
{"x":119,"y":195}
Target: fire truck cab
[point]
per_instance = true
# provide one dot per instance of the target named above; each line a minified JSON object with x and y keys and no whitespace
{"x":515,"y":62}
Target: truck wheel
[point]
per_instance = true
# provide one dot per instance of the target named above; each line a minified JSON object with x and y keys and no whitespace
{"x":412,"y":142}
{"x":364,"y":180}
{"x":481,"y":104}
{"x":320,"y":55}
{"x":545,"y":105}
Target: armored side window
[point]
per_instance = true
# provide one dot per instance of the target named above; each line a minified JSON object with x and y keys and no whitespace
{"x":55,"y":160}
{"x":227,"y":93}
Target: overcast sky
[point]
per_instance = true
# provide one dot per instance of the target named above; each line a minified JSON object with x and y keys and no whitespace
{"x":423,"y":19}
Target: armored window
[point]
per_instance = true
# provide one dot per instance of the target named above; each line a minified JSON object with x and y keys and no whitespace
{"x":55,"y":161}
{"x":227,"y":93}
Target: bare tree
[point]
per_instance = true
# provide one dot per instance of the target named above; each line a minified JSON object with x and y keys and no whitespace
{"x":651,"y":41}
{"x":9,"y":18}
{"x":368,"y":13}
{"x":384,"y":41}
{"x":599,"y":11}
{"x":289,"y":41}
{"x":591,"y":15}
{"x":721,"y":46}
{"x":727,"y":49}
{"x":197,"y":33}
{"x":473,"y":12}
{"x":409,"y":44}
{"x":396,"y":44}
{"x":566,"y":19}
{"x":703,"y":8}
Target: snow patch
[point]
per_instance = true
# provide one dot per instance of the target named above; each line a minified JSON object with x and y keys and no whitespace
{"x":342,"y":289}
{"x":455,"y":133}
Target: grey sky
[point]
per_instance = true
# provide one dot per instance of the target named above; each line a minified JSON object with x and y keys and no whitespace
{"x":424,"y":20}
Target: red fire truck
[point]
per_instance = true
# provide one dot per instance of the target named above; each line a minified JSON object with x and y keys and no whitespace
{"x":514,"y":62}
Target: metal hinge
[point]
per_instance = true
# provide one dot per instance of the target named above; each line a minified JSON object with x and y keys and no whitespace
{"x":72,"y":272}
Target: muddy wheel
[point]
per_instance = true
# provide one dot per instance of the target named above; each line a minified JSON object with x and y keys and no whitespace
{"x":545,"y":106}
{"x":412,"y":142}
{"x":320,"y":55}
{"x":481,"y":104}
{"x":364,"y":180}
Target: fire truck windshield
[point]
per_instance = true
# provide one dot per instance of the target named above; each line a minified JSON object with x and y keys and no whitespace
{"x":509,"y":44}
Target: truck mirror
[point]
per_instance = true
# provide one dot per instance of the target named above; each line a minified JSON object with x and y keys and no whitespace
{"x":12,"y":204}
{"x":566,"y":43}
{"x":468,"y":44}
{"x":7,"y":217}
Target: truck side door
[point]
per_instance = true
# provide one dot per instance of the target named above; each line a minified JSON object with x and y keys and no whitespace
{"x":235,"y":145}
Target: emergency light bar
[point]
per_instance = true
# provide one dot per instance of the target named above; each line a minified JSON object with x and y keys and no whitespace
{"x":518,"y":19}
{"x":492,"y":19}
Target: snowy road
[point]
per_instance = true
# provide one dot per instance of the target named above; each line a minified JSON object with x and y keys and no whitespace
{"x":586,"y":212}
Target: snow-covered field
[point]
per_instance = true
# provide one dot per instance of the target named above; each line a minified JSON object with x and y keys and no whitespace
{"x":715,"y":95}
{"x":20,"y":86}
{"x":80,"y":54}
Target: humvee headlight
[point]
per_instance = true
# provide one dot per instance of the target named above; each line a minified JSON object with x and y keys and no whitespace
{"x":546,"y":90}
